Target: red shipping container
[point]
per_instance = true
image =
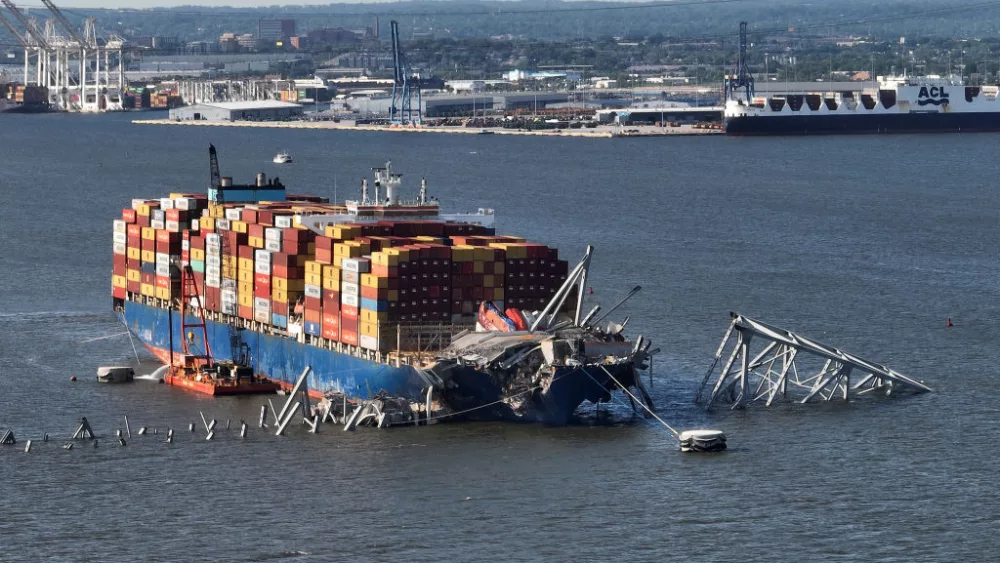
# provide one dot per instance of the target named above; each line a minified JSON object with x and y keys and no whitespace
{"x":348,"y":312}
{"x":133,"y":286}
{"x":312,"y":315}
{"x":249,"y":216}
{"x":298,"y":235}
{"x":173,"y":247}
{"x":246,"y":252}
{"x":147,"y":278}
{"x":245,"y":312}
{"x":331,"y":300}
{"x":128,"y":215}
{"x":142,"y":220}
{"x":133,"y":231}
{"x":185,"y":256}
{"x":197,"y":241}
{"x":119,"y":292}
{"x":163,"y":282}
{"x":289,"y":273}
{"x":265,"y":217}
{"x":324,"y":255}
{"x":295,"y":248}
{"x":348,"y":336}
{"x":278,"y":308}
{"x":256,"y":231}
{"x":260,"y":279}
{"x":324,"y":243}
{"x":315,"y":303}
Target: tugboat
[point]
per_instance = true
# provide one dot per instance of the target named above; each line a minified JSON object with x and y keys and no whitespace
{"x":283,"y":158}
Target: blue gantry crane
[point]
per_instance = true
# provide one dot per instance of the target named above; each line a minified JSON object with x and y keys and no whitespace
{"x":743,"y":78}
{"x":405,"y":87}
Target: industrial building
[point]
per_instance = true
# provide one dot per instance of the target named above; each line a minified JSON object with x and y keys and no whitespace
{"x":274,"y":29}
{"x":451,"y":106}
{"x":265,"y":110}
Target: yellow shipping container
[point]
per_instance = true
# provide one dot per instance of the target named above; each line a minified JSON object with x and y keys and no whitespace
{"x":348,"y":250}
{"x":298,"y":286}
{"x":148,"y":256}
{"x":162,"y":293}
{"x":279,"y":295}
{"x":117,"y":281}
{"x":331,"y":284}
{"x":143,"y":210}
{"x":229,"y":261}
{"x":229,"y":272}
{"x":403,"y":253}
{"x":198,"y":254}
{"x":133,"y":275}
{"x":393,"y":295}
{"x":279,"y":283}
{"x":384,"y":259}
{"x":331,"y":273}
{"x":483,"y":254}
{"x":462,"y":253}
{"x":148,"y":233}
{"x":285,"y":284}
{"x":498,"y":294}
{"x":498,"y":268}
{"x":371,"y":280}
{"x":256,"y":242}
{"x":489,"y":281}
{"x":207,"y":223}
{"x":314,"y":279}
{"x":148,"y":289}
{"x":245,"y":276}
{"x":369,"y":329}
{"x":369,"y":316}
{"x":515,"y":251}
{"x":246,"y":264}
{"x":245,"y":288}
{"x":477,"y":267}
{"x":245,"y":299}
{"x":133,"y":253}
{"x":216,"y":211}
{"x":314,"y":267}
{"x":238,"y":226}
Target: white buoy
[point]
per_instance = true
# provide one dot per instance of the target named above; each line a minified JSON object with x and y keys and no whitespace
{"x":210,"y":436}
{"x":243,"y":430}
{"x":142,"y":430}
{"x":191,"y":427}
{"x":27,"y":446}
{"x":702,"y":441}
{"x":170,"y":435}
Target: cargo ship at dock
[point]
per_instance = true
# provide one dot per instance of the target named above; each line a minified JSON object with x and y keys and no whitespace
{"x":376,"y":295}
{"x":893,"y":104}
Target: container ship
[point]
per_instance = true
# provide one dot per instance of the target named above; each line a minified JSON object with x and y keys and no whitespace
{"x":894,"y":104}
{"x":244,"y":287}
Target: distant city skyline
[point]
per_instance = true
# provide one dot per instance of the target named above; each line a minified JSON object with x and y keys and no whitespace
{"x":144,"y":4}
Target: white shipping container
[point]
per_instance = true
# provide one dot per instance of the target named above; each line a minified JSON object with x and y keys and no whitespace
{"x":211,"y":282}
{"x":196,"y":225}
{"x":234,"y":214}
{"x":213,"y":260}
{"x":173,"y":226}
{"x":349,"y":288}
{"x":273,"y":245}
{"x":186,"y":244}
{"x":119,"y":237}
{"x":359,"y":265}
{"x":350,"y":300}
{"x":228,"y":284}
{"x":229,"y":308}
{"x":222,"y":224}
{"x":367,"y":342}
{"x":157,"y":215}
{"x":157,"y":224}
{"x":120,"y":226}
{"x":213,"y":270}
{"x":262,"y":316}
{"x":271,"y":233}
{"x":137,"y":203}
{"x":227,"y":295}
{"x":283,"y":221}
{"x":166,"y":203}
{"x":261,"y":255}
{"x":163,"y":270}
{"x":213,"y":238}
{"x":261,"y":304}
{"x":350,"y":277}
{"x":162,"y":258}
{"x":184,"y":203}
{"x":262,"y":267}
{"x":313,"y":291}
{"x":119,"y":248}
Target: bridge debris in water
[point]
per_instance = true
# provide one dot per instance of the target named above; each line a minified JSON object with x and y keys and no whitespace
{"x":782,"y":367}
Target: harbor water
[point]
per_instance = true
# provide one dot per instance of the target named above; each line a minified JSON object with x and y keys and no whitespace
{"x":866,"y":243}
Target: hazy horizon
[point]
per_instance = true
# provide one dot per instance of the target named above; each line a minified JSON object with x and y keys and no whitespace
{"x":146,"y":4}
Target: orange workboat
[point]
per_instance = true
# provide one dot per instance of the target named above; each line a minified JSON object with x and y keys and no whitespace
{"x":195,"y":374}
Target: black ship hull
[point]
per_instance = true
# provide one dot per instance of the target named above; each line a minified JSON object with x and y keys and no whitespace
{"x":884,"y":123}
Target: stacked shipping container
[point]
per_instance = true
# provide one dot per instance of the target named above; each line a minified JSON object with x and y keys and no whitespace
{"x":355,"y":284}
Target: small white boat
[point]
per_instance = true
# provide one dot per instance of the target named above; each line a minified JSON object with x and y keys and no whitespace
{"x":283,"y":158}
{"x":115,"y":374}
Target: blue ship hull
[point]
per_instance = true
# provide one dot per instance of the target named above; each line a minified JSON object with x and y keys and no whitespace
{"x":470,"y":393}
{"x":943,"y":122}
{"x":279,"y":358}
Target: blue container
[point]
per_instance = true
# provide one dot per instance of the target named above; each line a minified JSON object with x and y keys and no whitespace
{"x":147,"y":268}
{"x":312,"y":328}
{"x":279,"y":320}
{"x":374,"y":305}
{"x":198,"y":266}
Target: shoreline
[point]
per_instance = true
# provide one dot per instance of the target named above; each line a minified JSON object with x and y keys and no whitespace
{"x":600,"y":132}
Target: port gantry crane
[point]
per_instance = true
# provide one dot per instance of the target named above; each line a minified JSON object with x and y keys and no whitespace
{"x":743,"y":78}
{"x":405,"y":86}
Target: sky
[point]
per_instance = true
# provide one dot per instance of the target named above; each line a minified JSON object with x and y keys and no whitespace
{"x":33,"y":4}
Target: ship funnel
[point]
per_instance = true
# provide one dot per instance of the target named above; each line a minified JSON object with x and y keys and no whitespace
{"x":226,"y":181}
{"x":391,"y":189}
{"x":261,"y":180}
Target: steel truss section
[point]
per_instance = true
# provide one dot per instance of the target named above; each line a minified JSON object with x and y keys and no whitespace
{"x":792,"y":366}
